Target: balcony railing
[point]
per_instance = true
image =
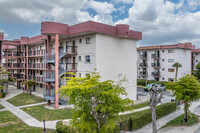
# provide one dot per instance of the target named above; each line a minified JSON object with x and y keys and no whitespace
{"x":143,"y":65}
{"x":7,"y":53}
{"x":155,"y":56}
{"x":36,"y":65}
{"x":18,"y":76}
{"x":71,"y":49}
{"x":18,"y":65}
{"x":155,"y":74}
{"x":143,"y":56}
{"x":36,"y":53}
{"x":143,"y":73}
{"x":156,"y":65}
{"x":13,"y":53}
{"x":71,"y":66}
{"x":7,"y":65}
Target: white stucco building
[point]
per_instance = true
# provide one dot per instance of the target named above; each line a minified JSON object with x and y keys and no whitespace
{"x":155,"y":62}
{"x":80,"y":48}
{"x":195,"y":58}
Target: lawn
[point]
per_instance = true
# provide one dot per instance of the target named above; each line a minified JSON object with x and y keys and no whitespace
{"x":141,"y":105}
{"x":179,"y":121}
{"x":9,"y":123}
{"x":25,"y":99}
{"x":1,"y":107}
{"x":41,"y":113}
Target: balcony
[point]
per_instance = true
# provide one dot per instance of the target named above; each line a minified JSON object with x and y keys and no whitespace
{"x":14,"y":65}
{"x":155,"y":65}
{"x":143,"y":65}
{"x":155,"y":74}
{"x":36,"y":65}
{"x":18,"y":65}
{"x":143,"y":56}
{"x":18,"y":76}
{"x":143,"y":73}
{"x":13,"y":53}
{"x":155,"y":56}
{"x":36,"y":53}
{"x":71,"y":49}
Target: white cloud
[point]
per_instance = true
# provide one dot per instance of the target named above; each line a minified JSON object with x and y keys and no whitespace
{"x":124,"y":1}
{"x":35,"y":11}
{"x":101,"y":7}
{"x":160,"y":23}
{"x":193,"y":4}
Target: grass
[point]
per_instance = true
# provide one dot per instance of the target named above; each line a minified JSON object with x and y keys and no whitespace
{"x":9,"y":123}
{"x":141,"y":105}
{"x":25,"y":99}
{"x":179,"y":121}
{"x":1,"y":107}
{"x":41,"y":113}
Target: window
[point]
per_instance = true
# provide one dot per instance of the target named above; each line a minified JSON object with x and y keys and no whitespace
{"x":87,"y":75}
{"x":87,"y":58}
{"x":163,"y":69}
{"x":79,"y":74}
{"x":163,"y":59}
{"x":79,"y":58}
{"x":196,"y":53}
{"x":163,"y":51}
{"x":196,"y":60}
{"x":170,"y":51}
{"x":163,"y":78}
{"x":40,"y":72}
{"x":88,"y":40}
{"x":80,"y":40}
{"x":40,"y":85}
{"x":171,"y":70}
{"x":170,"y":60}
{"x":170,"y":79}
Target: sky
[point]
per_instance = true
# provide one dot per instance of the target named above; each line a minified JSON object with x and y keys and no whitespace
{"x":160,"y":21}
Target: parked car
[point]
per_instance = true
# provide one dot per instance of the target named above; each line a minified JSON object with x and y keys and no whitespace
{"x":149,"y":86}
{"x":160,"y":87}
{"x":152,"y":85}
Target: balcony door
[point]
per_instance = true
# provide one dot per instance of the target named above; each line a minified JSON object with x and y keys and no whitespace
{"x":74,"y":60}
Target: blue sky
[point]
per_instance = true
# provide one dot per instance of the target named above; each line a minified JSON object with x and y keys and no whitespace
{"x":160,"y":21}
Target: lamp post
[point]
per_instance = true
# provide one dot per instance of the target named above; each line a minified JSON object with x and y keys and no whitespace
{"x":44,"y":131}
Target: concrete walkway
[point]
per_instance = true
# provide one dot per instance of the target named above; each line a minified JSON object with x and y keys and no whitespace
{"x":26,"y":118}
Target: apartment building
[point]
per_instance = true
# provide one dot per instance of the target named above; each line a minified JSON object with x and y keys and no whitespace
{"x":79,"y":48}
{"x":195,"y":58}
{"x":155,"y":62}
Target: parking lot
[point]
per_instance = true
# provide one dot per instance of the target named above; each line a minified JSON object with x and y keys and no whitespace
{"x":166,"y":95}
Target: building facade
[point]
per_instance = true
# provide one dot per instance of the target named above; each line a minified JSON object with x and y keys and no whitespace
{"x":79,"y":48}
{"x":155,"y":62}
{"x":195,"y":58}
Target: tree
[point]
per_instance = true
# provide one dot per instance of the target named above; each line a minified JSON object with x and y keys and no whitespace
{"x":186,"y":89}
{"x":96,"y":103}
{"x":196,"y":72}
{"x":30,"y":83}
{"x":156,"y":95}
{"x":6,"y":81}
{"x":176,"y":65}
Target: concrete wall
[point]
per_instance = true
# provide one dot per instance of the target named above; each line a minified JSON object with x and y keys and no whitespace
{"x":116,"y":57}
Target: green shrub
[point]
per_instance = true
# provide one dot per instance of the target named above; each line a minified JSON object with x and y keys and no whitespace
{"x":60,"y":128}
{"x":142,"y":82}
{"x":139,"y":119}
{"x":67,"y":129}
{"x":2,"y":94}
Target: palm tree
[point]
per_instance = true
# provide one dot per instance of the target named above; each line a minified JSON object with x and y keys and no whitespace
{"x":30,"y":83}
{"x":176,"y":65}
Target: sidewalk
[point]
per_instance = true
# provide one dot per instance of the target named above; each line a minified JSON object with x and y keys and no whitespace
{"x":26,"y":118}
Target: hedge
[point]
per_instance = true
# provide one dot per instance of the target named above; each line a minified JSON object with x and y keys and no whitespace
{"x":142,"y":82}
{"x":137,"y":120}
{"x":131,"y":121}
